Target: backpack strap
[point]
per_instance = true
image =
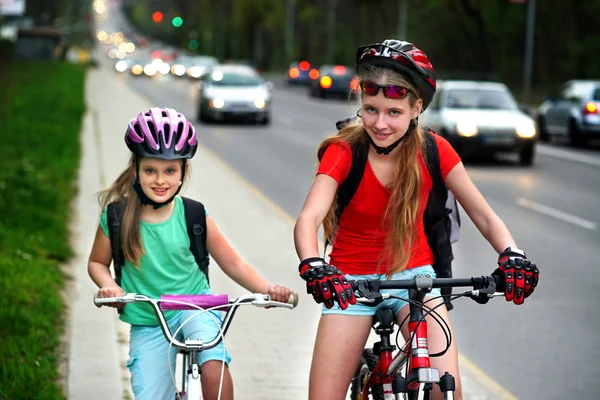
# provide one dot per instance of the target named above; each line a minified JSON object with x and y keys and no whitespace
{"x":114,"y":214}
{"x":436,"y":219}
{"x":195,"y":221}
{"x":350,"y":185}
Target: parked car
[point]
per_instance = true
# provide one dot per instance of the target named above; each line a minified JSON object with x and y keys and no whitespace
{"x":477,"y":116}
{"x":300,"y":72}
{"x":573,"y":112}
{"x":334,"y":80}
{"x":234,"y":92}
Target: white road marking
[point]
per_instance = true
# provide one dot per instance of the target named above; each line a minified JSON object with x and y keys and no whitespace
{"x":567,"y":155}
{"x":286,"y":121}
{"x":552,"y":212}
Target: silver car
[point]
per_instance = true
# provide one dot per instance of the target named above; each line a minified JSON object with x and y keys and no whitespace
{"x":234,"y":92}
{"x":574,"y":112}
{"x":477,"y":117}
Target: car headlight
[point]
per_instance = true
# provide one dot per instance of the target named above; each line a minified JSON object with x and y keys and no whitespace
{"x":466,"y":129}
{"x":150,"y":69}
{"x":525,"y":130}
{"x":260,"y":103}
{"x":137,"y":69}
{"x":216,"y":103}
{"x":121,"y":66}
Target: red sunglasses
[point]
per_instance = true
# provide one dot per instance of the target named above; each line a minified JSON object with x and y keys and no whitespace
{"x":371,"y":88}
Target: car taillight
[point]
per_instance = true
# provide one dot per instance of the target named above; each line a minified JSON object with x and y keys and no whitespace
{"x":325,"y":82}
{"x":590,"y":108}
{"x":313,"y":74}
{"x":354,"y":85}
{"x":294,"y":73}
{"x":304,"y":65}
{"x":339,"y":70}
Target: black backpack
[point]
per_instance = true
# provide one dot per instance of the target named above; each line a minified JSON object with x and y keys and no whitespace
{"x":441,"y":219}
{"x":195,"y":221}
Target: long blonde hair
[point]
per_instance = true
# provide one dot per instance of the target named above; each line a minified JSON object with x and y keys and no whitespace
{"x":403,"y":206}
{"x":122,"y":190}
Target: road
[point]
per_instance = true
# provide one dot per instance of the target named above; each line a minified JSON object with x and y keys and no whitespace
{"x":546,"y":349}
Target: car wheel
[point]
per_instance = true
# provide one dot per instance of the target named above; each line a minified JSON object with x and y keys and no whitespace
{"x":541,"y":126}
{"x":575,"y":137}
{"x":202,"y":114}
{"x":266,"y":120}
{"x":527,"y":154}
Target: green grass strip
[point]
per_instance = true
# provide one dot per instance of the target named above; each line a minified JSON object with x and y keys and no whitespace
{"x":41,"y":109}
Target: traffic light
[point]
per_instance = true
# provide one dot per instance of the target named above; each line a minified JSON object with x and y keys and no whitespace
{"x":157,"y":16}
{"x":177,"y":22}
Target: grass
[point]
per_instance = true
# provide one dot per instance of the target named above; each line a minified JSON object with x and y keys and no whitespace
{"x":41,"y":108}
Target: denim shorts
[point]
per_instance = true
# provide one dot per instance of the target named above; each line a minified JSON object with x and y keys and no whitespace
{"x":148,"y":361}
{"x":395,"y":304}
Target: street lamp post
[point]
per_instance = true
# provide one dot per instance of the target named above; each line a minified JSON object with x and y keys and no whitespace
{"x":289,"y":30}
{"x":402,"y":18}
{"x":529,"y":39}
{"x":331,"y":31}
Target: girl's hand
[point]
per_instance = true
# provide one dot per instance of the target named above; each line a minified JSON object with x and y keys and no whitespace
{"x":280,"y":293}
{"x":111,"y":291}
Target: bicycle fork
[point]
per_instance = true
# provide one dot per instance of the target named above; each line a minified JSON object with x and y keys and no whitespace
{"x":190,"y":379}
{"x":420,"y":370}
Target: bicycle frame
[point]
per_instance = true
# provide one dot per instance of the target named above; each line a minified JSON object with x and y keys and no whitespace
{"x":416,"y":349}
{"x":191,"y":349}
{"x":415,"y":352}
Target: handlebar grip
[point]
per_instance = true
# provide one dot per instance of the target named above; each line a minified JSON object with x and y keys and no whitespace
{"x":293,"y":299}
{"x":95,"y":300}
{"x":500,"y":284}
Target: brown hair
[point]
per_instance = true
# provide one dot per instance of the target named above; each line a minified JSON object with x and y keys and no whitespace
{"x":403,"y":206}
{"x":122,"y":190}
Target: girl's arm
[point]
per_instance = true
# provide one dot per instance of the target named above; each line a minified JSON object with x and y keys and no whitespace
{"x":230,"y":261}
{"x":99,"y":270}
{"x":480,"y":212}
{"x":313,"y":213}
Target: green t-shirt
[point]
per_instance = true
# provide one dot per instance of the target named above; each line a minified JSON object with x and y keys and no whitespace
{"x":167,"y":266}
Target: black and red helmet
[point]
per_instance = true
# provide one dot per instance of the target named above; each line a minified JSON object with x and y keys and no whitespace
{"x":403,"y":57}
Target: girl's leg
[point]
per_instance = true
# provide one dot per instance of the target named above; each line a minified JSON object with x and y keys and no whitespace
{"x":204,"y":326}
{"x":437,"y":343}
{"x":211,"y":379}
{"x":338,"y":348}
{"x":148,"y":363}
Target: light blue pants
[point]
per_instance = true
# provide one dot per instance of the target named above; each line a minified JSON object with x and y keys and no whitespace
{"x":395,"y":304}
{"x":148,"y":361}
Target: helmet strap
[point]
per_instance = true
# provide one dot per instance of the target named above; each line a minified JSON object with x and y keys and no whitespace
{"x":147,"y":201}
{"x":387,"y":150}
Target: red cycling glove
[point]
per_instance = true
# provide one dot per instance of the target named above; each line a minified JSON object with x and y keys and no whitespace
{"x":520,"y":275}
{"x":326,"y":283}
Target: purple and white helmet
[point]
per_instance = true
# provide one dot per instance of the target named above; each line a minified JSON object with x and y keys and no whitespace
{"x":161,"y":133}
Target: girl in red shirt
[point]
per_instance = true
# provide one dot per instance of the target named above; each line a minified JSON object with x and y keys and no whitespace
{"x":380,"y":233}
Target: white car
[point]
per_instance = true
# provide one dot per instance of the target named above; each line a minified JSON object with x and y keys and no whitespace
{"x":234,"y":92}
{"x":477,"y":117}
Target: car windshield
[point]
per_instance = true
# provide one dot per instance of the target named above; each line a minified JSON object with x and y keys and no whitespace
{"x":479,"y":98}
{"x":219,"y":78}
{"x":596,"y":96}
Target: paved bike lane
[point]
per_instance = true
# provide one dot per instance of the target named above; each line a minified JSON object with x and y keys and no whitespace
{"x":271,"y":349}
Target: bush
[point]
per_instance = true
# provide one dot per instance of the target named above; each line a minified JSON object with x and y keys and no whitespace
{"x":41,"y":108}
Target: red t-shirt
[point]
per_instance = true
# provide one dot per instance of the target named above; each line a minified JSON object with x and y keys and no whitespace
{"x":361,"y":236}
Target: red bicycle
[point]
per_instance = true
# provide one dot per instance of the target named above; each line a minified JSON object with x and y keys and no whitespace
{"x":378,"y":376}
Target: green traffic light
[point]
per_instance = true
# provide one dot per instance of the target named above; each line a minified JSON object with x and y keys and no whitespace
{"x":177,"y":22}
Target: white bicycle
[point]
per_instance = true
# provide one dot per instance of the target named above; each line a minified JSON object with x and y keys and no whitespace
{"x":190,"y":350}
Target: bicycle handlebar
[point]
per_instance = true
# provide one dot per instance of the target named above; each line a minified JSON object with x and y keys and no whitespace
{"x":193,"y":302}
{"x":486,"y":285}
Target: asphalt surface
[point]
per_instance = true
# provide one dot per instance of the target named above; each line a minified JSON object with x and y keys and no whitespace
{"x":546,"y":349}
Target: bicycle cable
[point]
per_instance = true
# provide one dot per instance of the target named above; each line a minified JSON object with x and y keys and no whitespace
{"x":219,"y":327}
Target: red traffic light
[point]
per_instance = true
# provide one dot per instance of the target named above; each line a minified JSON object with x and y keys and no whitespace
{"x":157,"y":16}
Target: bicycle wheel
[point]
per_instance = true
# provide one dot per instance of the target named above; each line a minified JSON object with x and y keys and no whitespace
{"x":367,"y":364}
